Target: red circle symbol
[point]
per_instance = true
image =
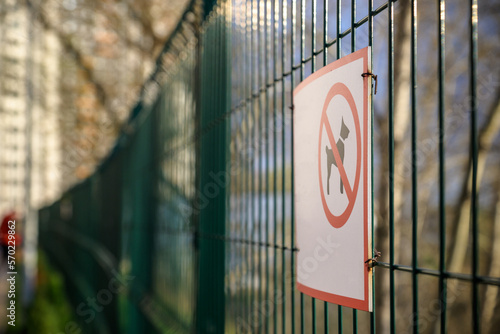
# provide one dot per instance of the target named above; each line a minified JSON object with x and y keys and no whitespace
{"x":351,"y":192}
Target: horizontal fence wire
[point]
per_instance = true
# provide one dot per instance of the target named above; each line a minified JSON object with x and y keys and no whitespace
{"x":197,"y":198}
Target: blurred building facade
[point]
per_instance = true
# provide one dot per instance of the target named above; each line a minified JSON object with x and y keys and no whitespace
{"x":30,"y":150}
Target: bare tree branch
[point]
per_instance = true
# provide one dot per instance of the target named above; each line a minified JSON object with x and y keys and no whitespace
{"x":113,"y":16}
{"x":79,"y":59}
{"x":146,"y":24}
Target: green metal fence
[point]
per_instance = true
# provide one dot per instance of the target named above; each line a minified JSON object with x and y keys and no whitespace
{"x":193,"y":211}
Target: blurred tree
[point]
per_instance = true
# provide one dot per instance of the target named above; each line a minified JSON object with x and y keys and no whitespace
{"x":108,"y":50}
{"x":458,"y":184}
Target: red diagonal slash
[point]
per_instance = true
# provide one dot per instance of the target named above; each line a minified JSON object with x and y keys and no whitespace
{"x":351,"y":191}
{"x":336,"y":155}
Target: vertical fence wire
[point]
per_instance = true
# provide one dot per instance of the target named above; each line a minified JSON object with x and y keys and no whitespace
{"x":370,"y":43}
{"x":261,"y":85}
{"x":239,"y":145}
{"x":353,"y":48}
{"x":277,"y":25}
{"x":390,"y":79}
{"x":339,"y":28}
{"x":338,"y":42}
{"x":251,"y":163}
{"x":283,"y":125}
{"x":473,"y":55}
{"x":269,"y":83}
{"x":414,"y":164}
{"x":441,"y":167}
{"x":247,"y":75}
{"x":293,"y":32}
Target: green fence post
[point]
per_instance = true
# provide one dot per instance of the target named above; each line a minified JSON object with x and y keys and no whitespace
{"x":137,"y":223}
{"x":213,"y":175}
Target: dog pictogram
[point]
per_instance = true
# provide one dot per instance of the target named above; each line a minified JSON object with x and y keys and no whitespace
{"x":330,"y":158}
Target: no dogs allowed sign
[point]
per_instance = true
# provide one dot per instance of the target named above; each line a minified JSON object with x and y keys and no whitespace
{"x":333,"y":203}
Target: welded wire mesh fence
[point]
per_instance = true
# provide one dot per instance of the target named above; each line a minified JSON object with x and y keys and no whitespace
{"x":195,"y":209}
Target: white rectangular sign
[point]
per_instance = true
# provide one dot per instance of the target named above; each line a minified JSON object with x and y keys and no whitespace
{"x":333,"y":203}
